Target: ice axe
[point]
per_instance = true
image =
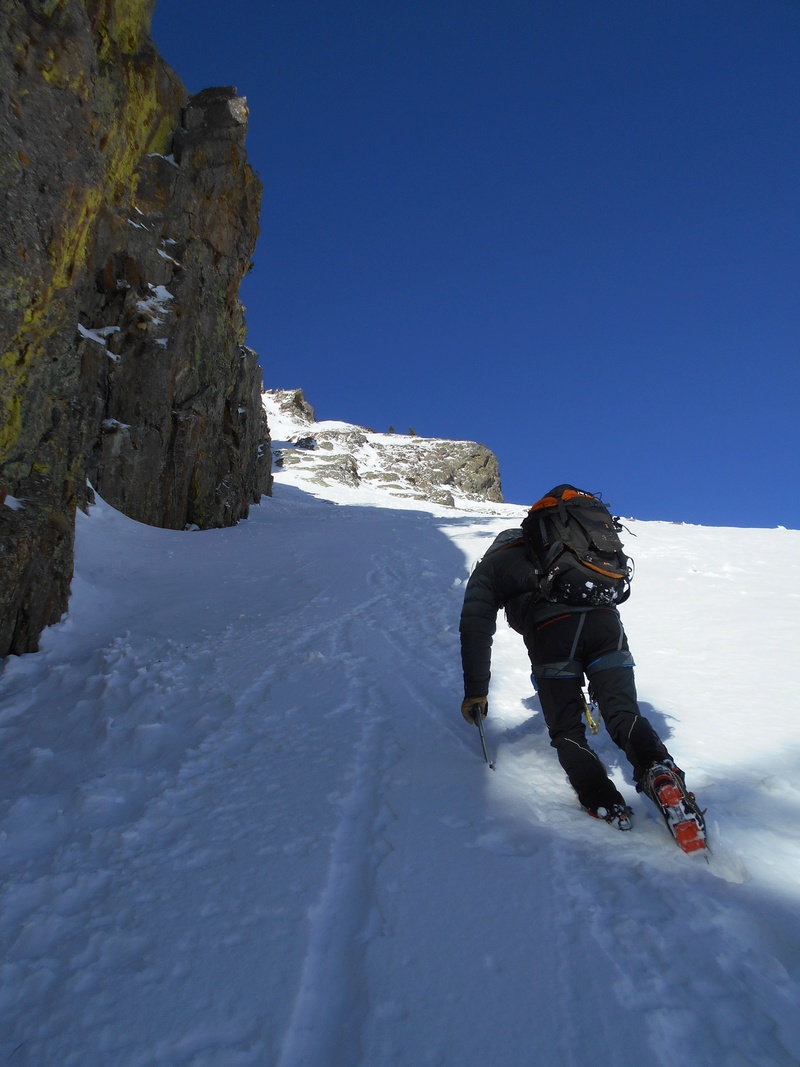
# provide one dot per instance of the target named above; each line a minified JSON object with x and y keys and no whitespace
{"x":478,"y":717}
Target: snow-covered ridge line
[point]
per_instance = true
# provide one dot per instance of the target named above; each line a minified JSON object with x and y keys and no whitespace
{"x":417,"y":468}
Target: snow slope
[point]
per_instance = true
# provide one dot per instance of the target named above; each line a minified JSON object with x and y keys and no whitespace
{"x":242,"y":821}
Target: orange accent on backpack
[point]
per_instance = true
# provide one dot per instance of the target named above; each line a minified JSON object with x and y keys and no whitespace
{"x":552,"y":502}
{"x":601,"y":570}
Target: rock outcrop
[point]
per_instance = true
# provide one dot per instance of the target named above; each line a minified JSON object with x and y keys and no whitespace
{"x":420,"y":468}
{"x":129,"y":217}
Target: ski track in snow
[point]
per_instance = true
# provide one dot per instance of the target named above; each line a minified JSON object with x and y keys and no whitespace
{"x":244,"y":823}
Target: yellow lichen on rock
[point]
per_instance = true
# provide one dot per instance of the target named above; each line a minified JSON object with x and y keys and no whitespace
{"x":10,"y":424}
{"x":142,"y":125}
{"x":69,"y":246}
{"x":121,"y":24}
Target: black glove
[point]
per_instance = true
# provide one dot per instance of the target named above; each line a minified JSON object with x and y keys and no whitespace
{"x":474,"y":706}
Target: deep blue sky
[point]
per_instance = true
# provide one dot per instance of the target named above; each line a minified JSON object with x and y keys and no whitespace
{"x":569,"y":229}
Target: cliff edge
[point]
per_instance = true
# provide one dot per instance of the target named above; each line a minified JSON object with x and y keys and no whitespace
{"x":130,"y":217}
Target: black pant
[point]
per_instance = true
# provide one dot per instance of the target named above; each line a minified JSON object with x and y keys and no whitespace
{"x":564,"y":648}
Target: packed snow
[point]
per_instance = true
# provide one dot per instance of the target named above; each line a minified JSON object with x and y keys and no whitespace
{"x":243,"y":822}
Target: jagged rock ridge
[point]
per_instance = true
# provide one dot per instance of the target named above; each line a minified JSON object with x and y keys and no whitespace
{"x":421,"y":468}
{"x":130,"y":217}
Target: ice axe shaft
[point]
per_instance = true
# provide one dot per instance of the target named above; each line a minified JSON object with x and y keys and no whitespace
{"x":479,"y":720}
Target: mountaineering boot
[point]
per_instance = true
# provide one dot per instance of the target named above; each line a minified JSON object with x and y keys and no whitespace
{"x":663,"y":782}
{"x":619,"y":815}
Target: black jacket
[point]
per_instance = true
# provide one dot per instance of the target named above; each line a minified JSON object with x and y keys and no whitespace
{"x":504,"y":578}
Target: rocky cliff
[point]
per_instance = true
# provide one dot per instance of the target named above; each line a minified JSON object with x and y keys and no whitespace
{"x":418,"y":468}
{"x":129,"y":217}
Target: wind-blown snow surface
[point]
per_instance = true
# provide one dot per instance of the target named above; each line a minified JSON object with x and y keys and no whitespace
{"x":243,"y":821}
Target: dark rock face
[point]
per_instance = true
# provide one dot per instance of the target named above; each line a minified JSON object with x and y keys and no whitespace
{"x":181,"y":420}
{"x":129,"y":217}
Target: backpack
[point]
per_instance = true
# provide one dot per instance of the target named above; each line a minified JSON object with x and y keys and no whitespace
{"x":575,"y":540}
